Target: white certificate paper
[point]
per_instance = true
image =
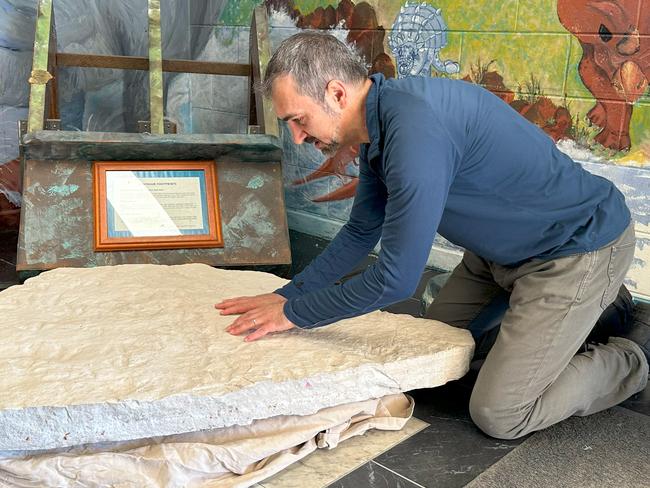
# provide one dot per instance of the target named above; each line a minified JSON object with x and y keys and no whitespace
{"x":159,"y":206}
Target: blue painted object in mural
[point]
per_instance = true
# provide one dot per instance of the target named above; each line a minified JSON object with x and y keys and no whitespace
{"x":418,"y":35}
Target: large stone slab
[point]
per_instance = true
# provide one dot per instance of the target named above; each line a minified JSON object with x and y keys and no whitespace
{"x":132,"y":351}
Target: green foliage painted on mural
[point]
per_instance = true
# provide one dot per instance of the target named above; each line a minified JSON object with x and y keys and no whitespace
{"x":543,"y":55}
{"x":530,"y":90}
{"x":640,"y":128}
{"x":479,"y":70}
{"x":308,"y":6}
{"x":238,"y":12}
{"x":538,"y":16}
{"x":574,"y":85}
{"x":581,"y":131}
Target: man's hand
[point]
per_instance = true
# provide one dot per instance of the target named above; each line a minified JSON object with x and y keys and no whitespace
{"x":264,"y":313}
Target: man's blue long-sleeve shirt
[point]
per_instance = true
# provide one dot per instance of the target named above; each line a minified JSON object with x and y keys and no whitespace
{"x":449,"y":156}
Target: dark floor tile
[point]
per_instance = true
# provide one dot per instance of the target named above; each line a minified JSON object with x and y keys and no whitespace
{"x":371,"y":475}
{"x":452,"y":450}
{"x":640,"y":402}
{"x":8,"y":242}
{"x":447,"y":401}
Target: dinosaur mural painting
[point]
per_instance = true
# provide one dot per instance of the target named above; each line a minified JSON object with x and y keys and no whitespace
{"x":615,"y":64}
{"x":417,"y":36}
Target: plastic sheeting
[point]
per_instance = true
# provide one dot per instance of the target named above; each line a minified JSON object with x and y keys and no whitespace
{"x":237,"y":456}
{"x":97,"y":99}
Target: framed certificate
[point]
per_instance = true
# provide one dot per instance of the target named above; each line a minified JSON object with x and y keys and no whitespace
{"x":156,"y":205}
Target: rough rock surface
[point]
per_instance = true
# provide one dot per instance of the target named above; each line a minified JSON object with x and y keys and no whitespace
{"x":125,"y":352}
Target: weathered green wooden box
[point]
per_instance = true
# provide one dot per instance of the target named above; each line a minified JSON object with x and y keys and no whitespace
{"x":57,"y":218}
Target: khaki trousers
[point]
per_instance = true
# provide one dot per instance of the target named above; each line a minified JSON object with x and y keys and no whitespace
{"x":532,"y":377}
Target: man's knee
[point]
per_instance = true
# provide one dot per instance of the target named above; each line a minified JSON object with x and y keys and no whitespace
{"x":497,"y":421}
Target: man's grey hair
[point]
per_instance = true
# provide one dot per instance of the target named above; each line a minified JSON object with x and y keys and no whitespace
{"x":313,"y":59}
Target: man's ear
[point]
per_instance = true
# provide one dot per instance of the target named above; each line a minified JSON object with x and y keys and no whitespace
{"x":337,"y":93}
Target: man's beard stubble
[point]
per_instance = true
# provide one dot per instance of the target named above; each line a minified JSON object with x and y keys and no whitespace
{"x":330,"y":149}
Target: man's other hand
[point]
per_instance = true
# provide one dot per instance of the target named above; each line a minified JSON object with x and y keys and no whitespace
{"x":262,"y":314}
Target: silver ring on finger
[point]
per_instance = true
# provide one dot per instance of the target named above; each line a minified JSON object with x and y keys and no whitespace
{"x":254,"y":323}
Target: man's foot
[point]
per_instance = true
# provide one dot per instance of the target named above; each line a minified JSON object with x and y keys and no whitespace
{"x":639,"y":332}
{"x":616,"y":320}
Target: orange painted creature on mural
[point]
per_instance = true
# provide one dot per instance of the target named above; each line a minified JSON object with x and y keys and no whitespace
{"x":615,"y":64}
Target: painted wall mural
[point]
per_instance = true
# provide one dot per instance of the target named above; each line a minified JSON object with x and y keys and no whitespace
{"x":416,"y":45}
{"x":615,"y":64}
{"x":578,"y":69}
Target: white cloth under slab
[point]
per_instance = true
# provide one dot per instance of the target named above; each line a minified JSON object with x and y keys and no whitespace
{"x":237,"y":456}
